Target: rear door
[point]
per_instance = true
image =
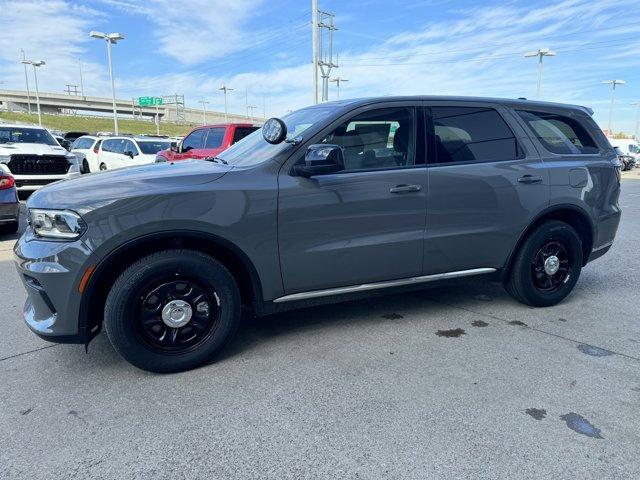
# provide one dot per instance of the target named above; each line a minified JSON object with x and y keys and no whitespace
{"x":486,"y":181}
{"x":365,"y":223}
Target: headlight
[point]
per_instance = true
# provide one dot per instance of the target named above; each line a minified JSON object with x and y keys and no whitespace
{"x":58,"y":224}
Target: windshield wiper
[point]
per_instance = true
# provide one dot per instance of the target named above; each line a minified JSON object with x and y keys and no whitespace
{"x":216,"y":160}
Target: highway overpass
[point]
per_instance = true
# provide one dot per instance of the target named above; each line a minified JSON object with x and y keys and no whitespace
{"x":174,"y":111}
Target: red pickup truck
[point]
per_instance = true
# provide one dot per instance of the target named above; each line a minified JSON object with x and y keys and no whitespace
{"x":206,"y":141}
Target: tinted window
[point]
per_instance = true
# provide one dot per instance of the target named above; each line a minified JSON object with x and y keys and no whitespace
{"x":633,"y":148}
{"x":194,"y":139}
{"x":242,"y":132}
{"x":129,"y":146}
{"x":108,"y":145}
{"x":83,"y":143}
{"x":26,"y":135}
{"x":560,"y":133}
{"x":472,"y":134}
{"x":149,"y":147}
{"x":118,"y":146}
{"x":214,"y":138}
{"x":377,"y":139}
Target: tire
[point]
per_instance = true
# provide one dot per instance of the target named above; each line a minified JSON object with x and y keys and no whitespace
{"x":103,"y":167}
{"x":85,"y":166}
{"x":9,"y":228}
{"x":530,"y":284}
{"x":134,"y":316}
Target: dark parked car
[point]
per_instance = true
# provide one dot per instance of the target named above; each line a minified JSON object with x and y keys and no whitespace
{"x":331,"y":202}
{"x":627,"y":161}
{"x":9,"y":204}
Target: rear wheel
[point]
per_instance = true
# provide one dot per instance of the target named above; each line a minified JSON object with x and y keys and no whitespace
{"x":85,"y":166}
{"x":172,"y":310}
{"x":547,"y":265}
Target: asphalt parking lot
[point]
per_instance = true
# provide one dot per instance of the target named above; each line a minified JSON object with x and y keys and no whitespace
{"x":449,"y":383}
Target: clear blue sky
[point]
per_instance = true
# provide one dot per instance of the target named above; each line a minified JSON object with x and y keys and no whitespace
{"x":385,"y":48}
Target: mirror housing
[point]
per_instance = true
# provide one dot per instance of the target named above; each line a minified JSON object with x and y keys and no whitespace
{"x":321,"y":159}
{"x":129,"y":154}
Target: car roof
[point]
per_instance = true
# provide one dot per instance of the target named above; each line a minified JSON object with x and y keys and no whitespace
{"x":16,"y":125}
{"x":511,"y":102}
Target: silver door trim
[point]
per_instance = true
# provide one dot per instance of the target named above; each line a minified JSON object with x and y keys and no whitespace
{"x":378,"y":285}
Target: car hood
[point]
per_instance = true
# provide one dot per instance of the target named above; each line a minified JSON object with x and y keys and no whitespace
{"x":88,"y":192}
{"x":31,"y":149}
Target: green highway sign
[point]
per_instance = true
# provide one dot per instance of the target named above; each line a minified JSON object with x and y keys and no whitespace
{"x":149,"y":101}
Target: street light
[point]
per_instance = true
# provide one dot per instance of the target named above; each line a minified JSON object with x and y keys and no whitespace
{"x":338,"y":81}
{"x":204,"y":111}
{"x":541,"y":53}
{"x":637,"y":104}
{"x":35,"y":65}
{"x":110,"y":38}
{"x":613,"y":96}
{"x":26,"y":79}
{"x":225,"y":89}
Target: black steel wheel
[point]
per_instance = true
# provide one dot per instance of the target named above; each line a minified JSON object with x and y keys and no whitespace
{"x":172,"y":310}
{"x":547,"y":265}
{"x":551,"y":266}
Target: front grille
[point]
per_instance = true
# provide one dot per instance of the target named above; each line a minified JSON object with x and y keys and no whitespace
{"x":38,"y":165}
{"x":31,"y":181}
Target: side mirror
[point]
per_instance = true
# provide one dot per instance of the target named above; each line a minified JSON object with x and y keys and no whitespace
{"x":174,"y":147}
{"x":185,"y":149}
{"x":321,"y":159}
{"x":129,"y":154}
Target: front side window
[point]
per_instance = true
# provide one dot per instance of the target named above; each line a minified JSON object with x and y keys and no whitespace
{"x":633,"y":148}
{"x":377,"y":139}
{"x":472,"y":134}
{"x":129,"y":146}
{"x":108,"y":145}
{"x":26,"y":135}
{"x":559,"y":133}
{"x":118,"y":146}
{"x":195,"y":140}
{"x":214,"y":138}
{"x":149,"y":147}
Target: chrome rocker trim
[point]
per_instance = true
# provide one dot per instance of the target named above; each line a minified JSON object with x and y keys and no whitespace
{"x":378,"y":285}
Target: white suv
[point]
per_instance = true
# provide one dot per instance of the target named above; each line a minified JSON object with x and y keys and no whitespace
{"x":86,"y":149}
{"x":120,"y":152}
{"x":33,"y":157}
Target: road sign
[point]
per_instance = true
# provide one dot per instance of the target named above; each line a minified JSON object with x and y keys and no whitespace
{"x":149,"y":101}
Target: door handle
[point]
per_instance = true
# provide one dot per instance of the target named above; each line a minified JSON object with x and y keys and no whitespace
{"x":405,"y":188}
{"x":527,"y":179}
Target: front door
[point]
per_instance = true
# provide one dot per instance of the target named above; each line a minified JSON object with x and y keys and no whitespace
{"x":485,"y":181}
{"x":366,"y":223}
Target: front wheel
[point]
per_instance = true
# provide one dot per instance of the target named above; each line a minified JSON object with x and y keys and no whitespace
{"x":103,"y":167}
{"x":172,"y":311}
{"x":547,"y":265}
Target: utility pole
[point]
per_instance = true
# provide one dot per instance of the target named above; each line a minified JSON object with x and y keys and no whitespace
{"x":35,"y":65}
{"x":325,"y":61}
{"x":204,"y":111}
{"x":71,"y":88}
{"x":637,"y":104}
{"x":541,"y":53}
{"x":314,"y":47}
{"x":264,"y":106}
{"x":111,"y":39}
{"x":338,"y":81}
{"x":26,"y":79}
{"x":613,"y":83}
{"x":250,"y":109}
{"x":225,"y":89}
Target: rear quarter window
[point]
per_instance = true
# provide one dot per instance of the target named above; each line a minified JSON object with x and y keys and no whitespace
{"x":561,"y":134}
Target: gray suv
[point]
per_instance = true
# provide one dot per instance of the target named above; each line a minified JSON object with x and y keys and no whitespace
{"x":331,"y":202}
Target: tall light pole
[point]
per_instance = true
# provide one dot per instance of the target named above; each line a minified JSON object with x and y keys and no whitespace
{"x":314,"y":47}
{"x":26,"y":79}
{"x":81,"y":80}
{"x":613,"y":83}
{"x":637,"y":104}
{"x":204,"y":111}
{"x":110,"y":38}
{"x":35,"y":65}
{"x":225,"y":89}
{"x":338,"y":81}
{"x":541,"y":53}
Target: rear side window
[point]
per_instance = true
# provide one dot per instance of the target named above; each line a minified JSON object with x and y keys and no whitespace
{"x":242,"y":132}
{"x":472,"y":134}
{"x":214,"y":138}
{"x":560,"y":133}
{"x":108,"y":145}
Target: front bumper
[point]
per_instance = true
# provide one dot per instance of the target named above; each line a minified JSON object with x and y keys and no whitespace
{"x":51,"y":272}
{"x":29,"y":183}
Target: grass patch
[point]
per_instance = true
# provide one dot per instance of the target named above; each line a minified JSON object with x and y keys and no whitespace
{"x":71,"y":123}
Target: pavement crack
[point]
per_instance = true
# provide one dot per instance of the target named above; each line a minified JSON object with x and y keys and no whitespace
{"x":28,"y":352}
{"x":539,"y":330}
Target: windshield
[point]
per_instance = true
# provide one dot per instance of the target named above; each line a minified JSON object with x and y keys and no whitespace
{"x":149,"y":148}
{"x":26,"y":135}
{"x":254,"y":149}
